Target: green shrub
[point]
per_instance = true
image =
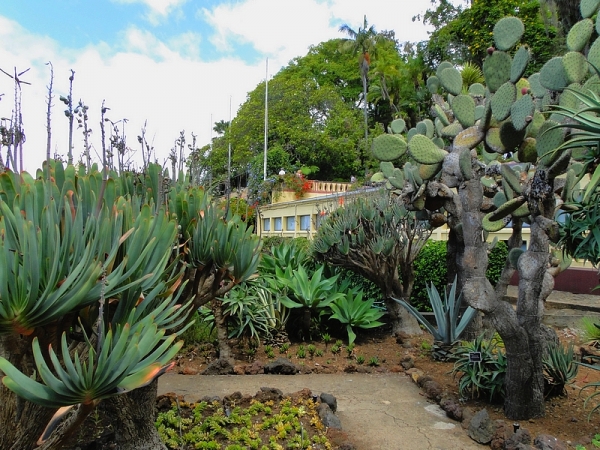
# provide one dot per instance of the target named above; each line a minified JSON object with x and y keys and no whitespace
{"x":484,"y":378}
{"x":431,"y":267}
{"x":496,"y":261}
{"x":201,"y":331}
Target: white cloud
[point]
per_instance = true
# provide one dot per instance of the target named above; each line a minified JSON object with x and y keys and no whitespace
{"x":159,"y":9}
{"x":149,"y":81}
{"x":164,"y":81}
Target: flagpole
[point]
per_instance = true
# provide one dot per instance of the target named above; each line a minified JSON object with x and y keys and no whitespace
{"x":266,"y":119}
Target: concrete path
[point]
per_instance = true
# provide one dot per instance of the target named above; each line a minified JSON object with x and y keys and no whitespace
{"x":378,"y":411}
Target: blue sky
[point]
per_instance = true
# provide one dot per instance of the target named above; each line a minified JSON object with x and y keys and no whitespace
{"x":172,"y":64}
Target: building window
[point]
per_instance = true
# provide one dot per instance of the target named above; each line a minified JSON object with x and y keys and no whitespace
{"x":278,"y":224}
{"x":266,"y":224}
{"x":320,"y":218}
{"x":305,"y":222}
{"x":290,"y":223}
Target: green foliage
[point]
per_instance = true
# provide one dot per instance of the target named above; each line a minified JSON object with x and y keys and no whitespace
{"x":314,"y":294}
{"x":484,"y":378}
{"x":287,"y":424}
{"x":430,"y":267}
{"x":464,"y":35}
{"x":354,"y":312}
{"x":560,"y":367}
{"x":591,"y":331}
{"x":496,"y":260}
{"x":374,"y":361}
{"x":446,"y":311}
{"x":200,"y":331}
{"x":360,"y":359}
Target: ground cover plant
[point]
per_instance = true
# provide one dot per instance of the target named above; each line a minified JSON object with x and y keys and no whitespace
{"x":246,"y":424}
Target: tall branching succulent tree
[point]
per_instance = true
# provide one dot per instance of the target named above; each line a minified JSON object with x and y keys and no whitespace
{"x":378,"y":238}
{"x":92,"y":298}
{"x":495,"y":156}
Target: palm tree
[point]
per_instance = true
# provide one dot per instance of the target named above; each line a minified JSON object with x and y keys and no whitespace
{"x":362,"y":42}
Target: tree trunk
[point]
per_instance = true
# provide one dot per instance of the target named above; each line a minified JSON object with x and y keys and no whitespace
{"x":221,"y":327}
{"x":402,"y":321}
{"x":135,"y":414}
{"x":22,"y":422}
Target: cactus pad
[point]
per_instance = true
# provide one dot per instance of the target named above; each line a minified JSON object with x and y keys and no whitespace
{"x":443,"y":65}
{"x":536,"y":88}
{"x":388,"y":147}
{"x":576,"y":67}
{"x":428,"y":171}
{"x":548,"y":140}
{"x":464,"y":163}
{"x":507,"y":208}
{"x":534,"y":127}
{"x":409,"y":135}
{"x":593,"y":84}
{"x":378,"y":177}
{"x":397,"y":178}
{"x":479,"y":110}
{"x":499,"y":199}
{"x":429,"y":128}
{"x":387,"y":168}
{"x":398,"y":126}
{"x":593,"y":56}
{"x":452,"y":130}
{"x":519,"y":64}
{"x":527,"y":151}
{"x":503,"y":100}
{"x":439,"y":112}
{"x":509,"y":176}
{"x":433,"y":84}
{"x":521,"y":112}
{"x":507,"y":32}
{"x":579,"y":35}
{"x":493,"y":226}
{"x":451,"y":80}
{"x":438,"y":141}
{"x":421,"y":128}
{"x":513,"y":257}
{"x":424,"y":151}
{"x":463,"y":107}
{"x":553,"y":75}
{"x":511,"y":137}
{"x":588,"y":7}
{"x":496,"y":70}
{"x":493,"y":142}
{"x":477,"y":90}
{"x":469,"y":138}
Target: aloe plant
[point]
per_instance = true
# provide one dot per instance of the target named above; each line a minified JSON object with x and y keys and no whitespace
{"x":355,"y":312}
{"x":314,"y":293}
{"x":446,"y":311}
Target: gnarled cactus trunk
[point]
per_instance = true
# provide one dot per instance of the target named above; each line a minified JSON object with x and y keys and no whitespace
{"x":135,"y":414}
{"x":23,"y":421}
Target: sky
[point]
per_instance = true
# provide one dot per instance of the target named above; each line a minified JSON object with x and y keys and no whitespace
{"x":168,"y":65}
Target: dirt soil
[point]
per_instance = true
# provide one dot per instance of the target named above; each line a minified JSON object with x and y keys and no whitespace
{"x":566,"y":418}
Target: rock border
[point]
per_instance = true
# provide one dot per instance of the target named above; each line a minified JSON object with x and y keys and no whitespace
{"x":498,"y":434}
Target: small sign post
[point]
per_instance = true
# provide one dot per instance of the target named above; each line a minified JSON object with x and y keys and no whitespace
{"x":474,"y":357}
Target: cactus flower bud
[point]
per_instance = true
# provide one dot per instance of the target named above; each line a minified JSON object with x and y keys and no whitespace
{"x":491,"y":50}
{"x":528,"y":119}
{"x":524,"y":91}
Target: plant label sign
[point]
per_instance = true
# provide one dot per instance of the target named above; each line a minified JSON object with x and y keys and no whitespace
{"x":474,"y":357}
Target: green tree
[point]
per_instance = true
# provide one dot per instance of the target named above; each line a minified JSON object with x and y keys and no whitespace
{"x":310,"y":122}
{"x":464,"y":35}
{"x":362,"y":42}
{"x":376,"y":237}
